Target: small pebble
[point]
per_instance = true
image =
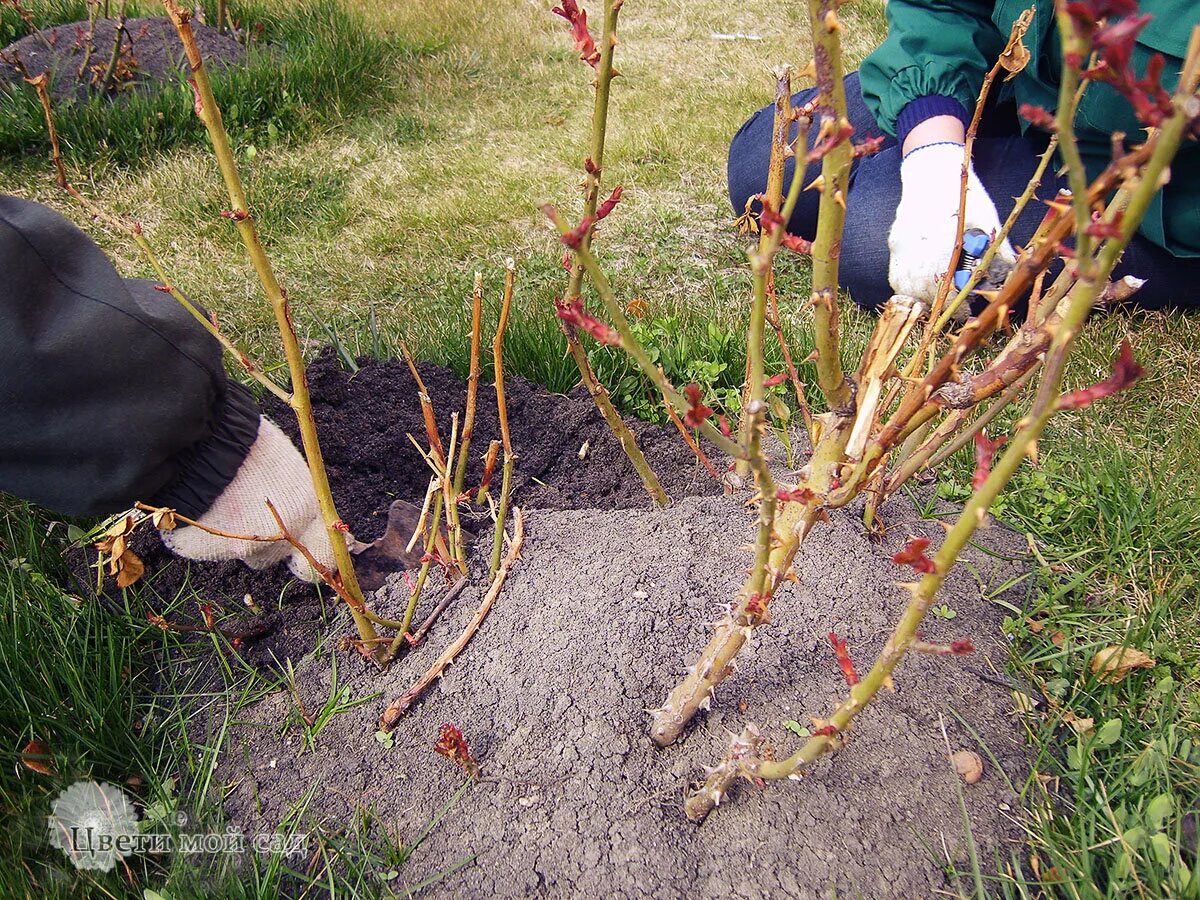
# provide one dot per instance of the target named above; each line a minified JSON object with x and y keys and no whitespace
{"x":968,"y":764}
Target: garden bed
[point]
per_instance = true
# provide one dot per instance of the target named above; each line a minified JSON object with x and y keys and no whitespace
{"x":598,"y":619}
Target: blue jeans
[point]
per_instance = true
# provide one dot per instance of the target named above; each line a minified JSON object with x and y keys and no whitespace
{"x":1004,"y":160}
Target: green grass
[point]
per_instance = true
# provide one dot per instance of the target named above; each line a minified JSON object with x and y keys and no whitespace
{"x":379,"y":208}
{"x":314,"y":63}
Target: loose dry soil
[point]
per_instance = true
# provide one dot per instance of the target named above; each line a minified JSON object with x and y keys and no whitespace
{"x":157,"y":54}
{"x":599,"y":618}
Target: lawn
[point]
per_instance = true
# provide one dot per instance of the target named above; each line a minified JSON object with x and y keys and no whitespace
{"x":377,"y":219}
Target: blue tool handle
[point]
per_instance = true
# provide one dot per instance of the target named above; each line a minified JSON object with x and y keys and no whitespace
{"x":974,"y":244}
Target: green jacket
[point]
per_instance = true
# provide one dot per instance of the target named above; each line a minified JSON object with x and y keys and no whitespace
{"x":946,"y":47}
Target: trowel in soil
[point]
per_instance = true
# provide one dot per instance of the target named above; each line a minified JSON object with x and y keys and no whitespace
{"x":375,"y":561}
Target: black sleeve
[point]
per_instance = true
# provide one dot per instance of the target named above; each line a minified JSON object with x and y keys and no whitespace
{"x":111,"y":392}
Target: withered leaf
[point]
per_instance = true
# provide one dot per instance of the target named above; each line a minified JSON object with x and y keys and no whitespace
{"x":164,"y":519}
{"x":130,"y":568}
{"x":1112,"y":664}
{"x":1016,"y":55}
{"x":36,"y":757}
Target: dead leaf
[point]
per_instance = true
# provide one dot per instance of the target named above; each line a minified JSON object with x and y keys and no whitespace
{"x":968,"y":764}
{"x":36,"y":757}
{"x":1112,"y":664}
{"x":129,"y":569}
{"x":164,"y":519}
{"x":1081,"y":726}
{"x":1016,"y":55}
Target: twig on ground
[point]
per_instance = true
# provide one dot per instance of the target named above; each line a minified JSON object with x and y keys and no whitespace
{"x":400,"y":706}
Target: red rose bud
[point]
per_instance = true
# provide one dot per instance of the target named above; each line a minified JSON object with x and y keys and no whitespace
{"x":341,"y":526}
{"x":768,"y":218}
{"x":723,"y":424}
{"x":237,"y":215}
{"x":843,"y":657}
{"x":697,"y":412}
{"x":163,"y":288}
{"x":608,"y":205}
{"x":825,"y":731}
{"x":575,"y":236}
{"x":1125,"y":372}
{"x":798,"y":495}
{"x":913,"y":555}
{"x":1038,"y":115}
{"x":756,"y":607}
{"x":869,"y":147}
{"x":1101,"y":229}
{"x":566,"y":260}
{"x":962,"y":647}
{"x":590,"y":167}
{"x":573,"y":313}
{"x":775,"y":379}
{"x":452,"y":745}
{"x":206,"y":611}
{"x":797,"y":244}
{"x":985,"y":452}
{"x":137,"y":227}
{"x":577,"y":19}
{"x":835,"y":137}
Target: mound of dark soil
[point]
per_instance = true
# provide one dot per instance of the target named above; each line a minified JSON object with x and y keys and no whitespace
{"x":364,"y":420}
{"x":596,"y":622}
{"x":150,"y":52}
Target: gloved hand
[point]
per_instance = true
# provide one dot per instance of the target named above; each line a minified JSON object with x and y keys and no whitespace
{"x":273,"y":470}
{"x":922,"y":235}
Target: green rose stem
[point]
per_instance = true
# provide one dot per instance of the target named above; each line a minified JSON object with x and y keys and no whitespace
{"x":742,"y":759}
{"x":457,"y":548}
{"x":592,"y":176}
{"x":301,"y":403}
{"x":510,"y":273}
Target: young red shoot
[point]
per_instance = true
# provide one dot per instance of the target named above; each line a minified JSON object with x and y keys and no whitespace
{"x":962,"y":647}
{"x":452,"y":745}
{"x":576,"y":315}
{"x":843,"y":657}
{"x":1125,"y":372}
{"x":796,"y":495}
{"x":610,"y":204}
{"x":577,"y":19}
{"x":985,"y":452}
{"x":913,"y":555}
{"x":697,"y":412}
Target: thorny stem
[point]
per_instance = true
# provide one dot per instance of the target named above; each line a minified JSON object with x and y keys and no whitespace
{"x":831,"y":212}
{"x":301,"y":403}
{"x":460,"y":473}
{"x":1079,"y":302}
{"x":502,"y":410}
{"x":630,"y":344}
{"x":134,"y":230}
{"x":764,"y":280}
{"x":115,"y":56}
{"x":401,"y":705}
{"x":592,"y":178}
{"x":779,"y":534}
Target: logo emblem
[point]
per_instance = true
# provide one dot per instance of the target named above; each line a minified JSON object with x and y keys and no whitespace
{"x":95,"y":824}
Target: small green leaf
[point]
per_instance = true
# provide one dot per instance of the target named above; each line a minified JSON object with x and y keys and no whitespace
{"x":1161,"y":845}
{"x":794,"y":726}
{"x":1159,"y":810}
{"x":386,"y":738}
{"x":1108,"y":733}
{"x":148,"y":894}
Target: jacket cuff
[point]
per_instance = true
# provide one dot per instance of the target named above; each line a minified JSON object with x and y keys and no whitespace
{"x":207,"y":468}
{"x":917,"y":111}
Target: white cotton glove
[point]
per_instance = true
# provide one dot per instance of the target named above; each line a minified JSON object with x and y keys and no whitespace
{"x":922,"y":235}
{"x":273,"y":470}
